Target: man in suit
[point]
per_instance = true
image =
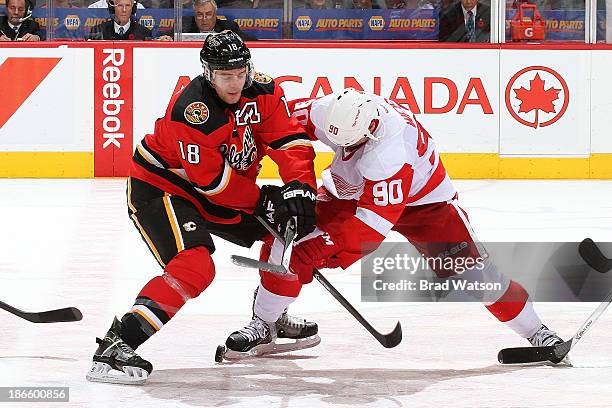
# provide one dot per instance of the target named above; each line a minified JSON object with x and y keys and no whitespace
{"x":122,"y":26}
{"x":18,"y":25}
{"x":465,"y":21}
{"x":205,"y":20}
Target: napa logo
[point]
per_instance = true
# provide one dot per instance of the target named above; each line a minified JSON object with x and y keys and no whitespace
{"x":147,"y":21}
{"x":72,"y":22}
{"x":303,"y":23}
{"x":376,"y":23}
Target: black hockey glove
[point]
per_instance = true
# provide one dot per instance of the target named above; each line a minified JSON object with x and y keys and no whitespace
{"x":272,"y":207}
{"x":300,"y":199}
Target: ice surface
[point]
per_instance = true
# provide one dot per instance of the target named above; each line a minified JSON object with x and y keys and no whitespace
{"x":70,"y":243}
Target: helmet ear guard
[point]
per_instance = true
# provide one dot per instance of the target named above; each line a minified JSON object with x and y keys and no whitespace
{"x":225,"y":51}
{"x":351,"y":116}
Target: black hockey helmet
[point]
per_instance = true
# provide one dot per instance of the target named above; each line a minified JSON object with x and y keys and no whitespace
{"x":225,"y":50}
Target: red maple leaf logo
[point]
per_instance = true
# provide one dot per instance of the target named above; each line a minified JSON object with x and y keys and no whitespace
{"x":537,"y":98}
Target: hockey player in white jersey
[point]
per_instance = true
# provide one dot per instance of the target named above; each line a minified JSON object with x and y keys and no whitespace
{"x":386,"y":175}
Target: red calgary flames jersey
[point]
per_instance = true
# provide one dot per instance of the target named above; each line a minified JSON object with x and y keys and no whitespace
{"x":210,"y":152}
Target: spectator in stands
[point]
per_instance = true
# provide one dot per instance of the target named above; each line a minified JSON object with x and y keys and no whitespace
{"x":365,"y":5}
{"x":465,"y":21}
{"x":317,"y":4}
{"x":123,"y":25}
{"x":18,"y":25}
{"x":205,"y":20}
{"x":268,"y":4}
{"x":239,"y":4}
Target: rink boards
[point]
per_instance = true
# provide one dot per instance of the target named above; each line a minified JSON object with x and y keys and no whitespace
{"x":509,"y":111}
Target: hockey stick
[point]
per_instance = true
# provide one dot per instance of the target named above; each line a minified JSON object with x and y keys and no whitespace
{"x":255,"y":264}
{"x":592,"y":255}
{"x":67,"y":314}
{"x":388,"y":340}
{"x":283,"y":267}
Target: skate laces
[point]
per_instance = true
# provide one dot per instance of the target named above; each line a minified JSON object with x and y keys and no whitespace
{"x":126,"y":349}
{"x":292,"y":321}
{"x":118,"y":342}
{"x":544,"y":337}
{"x":257,"y":329}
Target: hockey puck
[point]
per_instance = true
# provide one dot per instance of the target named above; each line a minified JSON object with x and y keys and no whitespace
{"x":219,"y":353}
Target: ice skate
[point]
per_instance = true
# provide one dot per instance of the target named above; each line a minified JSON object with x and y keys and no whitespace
{"x":116,"y":362}
{"x":296,"y":328}
{"x":299,"y":329}
{"x":546,"y":337}
{"x":260,"y":338}
{"x":253,"y":340}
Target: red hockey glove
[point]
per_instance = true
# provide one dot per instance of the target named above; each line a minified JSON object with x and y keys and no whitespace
{"x":315,"y":253}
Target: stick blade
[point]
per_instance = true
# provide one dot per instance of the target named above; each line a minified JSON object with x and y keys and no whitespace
{"x":68,"y":314}
{"x":591,"y":254}
{"x":393,"y":338}
{"x":523,"y":355}
{"x":245,"y":262}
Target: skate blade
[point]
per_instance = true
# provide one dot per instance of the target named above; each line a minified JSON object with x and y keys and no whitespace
{"x":104,"y":373}
{"x":272,"y":348}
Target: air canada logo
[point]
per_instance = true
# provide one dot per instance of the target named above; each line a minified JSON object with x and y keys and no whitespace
{"x":196,"y":113}
{"x":537,"y":96}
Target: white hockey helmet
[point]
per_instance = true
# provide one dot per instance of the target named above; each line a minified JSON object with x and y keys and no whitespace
{"x":351,"y":116}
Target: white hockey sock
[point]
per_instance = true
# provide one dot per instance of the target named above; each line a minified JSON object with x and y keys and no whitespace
{"x":526,"y":323}
{"x":269,"y":306}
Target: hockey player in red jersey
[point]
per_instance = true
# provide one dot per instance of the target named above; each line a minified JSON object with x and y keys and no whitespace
{"x":387,"y":176}
{"x":195,"y":176}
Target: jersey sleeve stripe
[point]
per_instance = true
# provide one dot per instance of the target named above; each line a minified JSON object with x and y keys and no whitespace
{"x":291,"y":140}
{"x":219,"y":183}
{"x":295,"y":143}
{"x":151,"y":156}
{"x":374,"y":221}
{"x":436,"y":178}
{"x":180,"y":172}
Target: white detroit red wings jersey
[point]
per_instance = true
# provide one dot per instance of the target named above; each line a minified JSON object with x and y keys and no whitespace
{"x":403,"y":142}
{"x":382,"y":176}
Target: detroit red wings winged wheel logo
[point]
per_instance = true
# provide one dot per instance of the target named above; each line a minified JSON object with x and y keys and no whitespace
{"x":537,"y":96}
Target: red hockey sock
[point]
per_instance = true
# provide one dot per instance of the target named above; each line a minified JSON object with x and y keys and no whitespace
{"x":185,"y":277}
{"x":510,"y":304}
{"x":516,"y":311}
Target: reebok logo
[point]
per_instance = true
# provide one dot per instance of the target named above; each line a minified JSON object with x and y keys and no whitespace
{"x":19,"y":77}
